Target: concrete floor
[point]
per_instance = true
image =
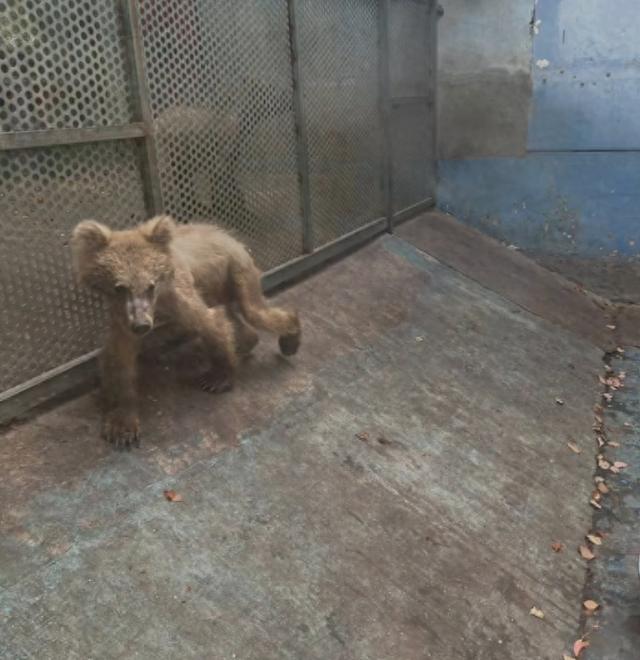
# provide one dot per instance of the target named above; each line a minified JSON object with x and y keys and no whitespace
{"x":613,"y":578}
{"x":616,"y":278}
{"x":392,"y":493}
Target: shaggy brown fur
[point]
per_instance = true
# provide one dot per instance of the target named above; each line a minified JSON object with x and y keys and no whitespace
{"x":196,"y":276}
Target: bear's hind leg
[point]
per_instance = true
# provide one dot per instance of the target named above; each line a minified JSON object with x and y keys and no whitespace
{"x":216,"y":331}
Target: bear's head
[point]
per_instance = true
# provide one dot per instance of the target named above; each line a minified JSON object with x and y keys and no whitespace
{"x":128,"y":267}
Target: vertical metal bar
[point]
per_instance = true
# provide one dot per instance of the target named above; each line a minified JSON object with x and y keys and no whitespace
{"x":384,"y":95}
{"x":435,"y":13}
{"x":302,"y":141}
{"x":142,"y":106}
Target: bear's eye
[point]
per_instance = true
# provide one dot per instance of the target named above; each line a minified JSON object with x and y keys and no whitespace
{"x":151,"y":288}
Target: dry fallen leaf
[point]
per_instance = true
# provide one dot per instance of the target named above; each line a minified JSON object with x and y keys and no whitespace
{"x":620,"y":350}
{"x":590,"y":605}
{"x":597,"y":408}
{"x":599,"y":419}
{"x":586,"y":553}
{"x":557,"y":547}
{"x":560,"y":402}
{"x":605,"y":465}
{"x":614,"y":444}
{"x":579,"y":646}
{"x":595,"y":504}
{"x":600,"y":441}
{"x":603,"y":488}
{"x":608,"y":396}
{"x":598,"y":479}
{"x":568,"y":657}
{"x":595,"y":538}
{"x":595,"y":494}
{"x":534,"y":611}
{"x":619,"y":465}
{"x":419,"y":339}
{"x":627,"y":424}
{"x":574,"y":448}
{"x":611,"y":327}
{"x":363,"y":435}
{"x":172,"y":496}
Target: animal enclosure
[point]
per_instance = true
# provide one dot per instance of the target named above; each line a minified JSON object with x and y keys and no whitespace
{"x":302,"y":125}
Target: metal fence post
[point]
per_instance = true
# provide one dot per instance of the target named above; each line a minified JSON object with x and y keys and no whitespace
{"x":302,"y":143}
{"x":142,"y":107}
{"x":437,"y":12}
{"x":384,"y":83}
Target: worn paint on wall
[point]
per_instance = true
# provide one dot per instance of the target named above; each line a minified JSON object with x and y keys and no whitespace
{"x":554,"y":203}
{"x":484,"y":77}
{"x":587,"y":98}
{"x":576,"y":188}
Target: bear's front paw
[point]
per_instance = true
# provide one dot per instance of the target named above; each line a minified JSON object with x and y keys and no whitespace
{"x":122,"y":429}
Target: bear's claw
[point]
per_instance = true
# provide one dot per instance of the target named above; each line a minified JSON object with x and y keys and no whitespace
{"x":216,"y":382}
{"x":121,"y":430}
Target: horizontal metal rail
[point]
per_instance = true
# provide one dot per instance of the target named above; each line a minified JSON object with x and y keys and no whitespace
{"x":56,"y":137}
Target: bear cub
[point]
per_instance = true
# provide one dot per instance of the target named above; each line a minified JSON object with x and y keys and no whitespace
{"x":195,"y":276}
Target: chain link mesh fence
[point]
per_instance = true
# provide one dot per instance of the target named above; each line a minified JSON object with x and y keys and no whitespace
{"x":220,"y":82}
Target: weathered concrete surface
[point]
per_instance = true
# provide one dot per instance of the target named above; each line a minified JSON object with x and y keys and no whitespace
{"x":628,"y":325}
{"x":614,"y":579}
{"x":484,"y":114}
{"x":484,"y":78}
{"x":514,"y":276}
{"x":555,"y":170}
{"x":571,"y":204}
{"x":615,"y":278}
{"x":427,"y":538}
{"x":585,"y":76}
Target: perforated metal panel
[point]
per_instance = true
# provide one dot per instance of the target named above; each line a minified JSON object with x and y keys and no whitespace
{"x":339,"y":72}
{"x":112,"y":108}
{"x":45,"y":320}
{"x":221,"y":94}
{"x":62,"y":65}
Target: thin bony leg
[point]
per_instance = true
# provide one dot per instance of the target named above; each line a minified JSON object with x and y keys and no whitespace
{"x":258,"y":313}
{"x":246,"y":338}
{"x":118,"y":367}
{"x":215,"y":329}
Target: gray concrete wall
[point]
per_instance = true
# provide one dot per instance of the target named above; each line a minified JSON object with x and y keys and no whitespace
{"x":539,"y":127}
{"x":484,"y":77}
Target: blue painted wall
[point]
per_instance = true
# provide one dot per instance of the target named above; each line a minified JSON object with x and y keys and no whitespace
{"x":576,"y":188}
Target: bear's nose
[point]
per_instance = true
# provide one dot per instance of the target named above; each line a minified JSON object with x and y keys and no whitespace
{"x":141,"y":328}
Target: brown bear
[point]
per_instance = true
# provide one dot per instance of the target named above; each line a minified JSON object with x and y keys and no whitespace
{"x":195,"y":276}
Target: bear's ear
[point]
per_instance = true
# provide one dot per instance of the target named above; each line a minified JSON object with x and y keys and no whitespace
{"x":90,"y":236}
{"x":159,"y":230}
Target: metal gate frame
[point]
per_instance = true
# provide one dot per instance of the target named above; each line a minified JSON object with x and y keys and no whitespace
{"x":81,"y":373}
